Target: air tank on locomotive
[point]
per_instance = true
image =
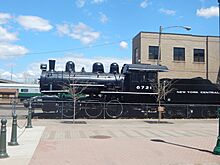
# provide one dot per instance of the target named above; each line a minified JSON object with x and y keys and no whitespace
{"x":70,"y":67}
{"x":97,"y":67}
{"x":114,"y":68}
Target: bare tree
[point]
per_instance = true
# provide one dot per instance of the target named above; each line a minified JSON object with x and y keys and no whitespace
{"x":75,"y":91}
{"x":162,"y":88}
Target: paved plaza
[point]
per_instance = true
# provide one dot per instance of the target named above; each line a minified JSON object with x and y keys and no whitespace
{"x":114,"y":142}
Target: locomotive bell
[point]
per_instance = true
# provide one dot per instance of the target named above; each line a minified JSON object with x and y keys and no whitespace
{"x":114,"y":68}
{"x":70,"y":66}
{"x":52,"y":65}
{"x":98,"y":67}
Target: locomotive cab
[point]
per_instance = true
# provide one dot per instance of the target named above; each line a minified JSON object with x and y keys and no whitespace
{"x":136,"y":81}
{"x":141,"y":77}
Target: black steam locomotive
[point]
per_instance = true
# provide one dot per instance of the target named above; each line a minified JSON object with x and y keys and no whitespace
{"x":134,"y":89}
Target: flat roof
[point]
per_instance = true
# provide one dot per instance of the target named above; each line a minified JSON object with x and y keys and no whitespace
{"x":8,"y":81}
{"x":176,"y":34}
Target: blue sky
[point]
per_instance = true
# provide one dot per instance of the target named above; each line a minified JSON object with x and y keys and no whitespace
{"x":87,"y":31}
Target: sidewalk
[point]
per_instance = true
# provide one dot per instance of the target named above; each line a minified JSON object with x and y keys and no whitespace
{"x":116,"y":142}
{"x":28,"y":141}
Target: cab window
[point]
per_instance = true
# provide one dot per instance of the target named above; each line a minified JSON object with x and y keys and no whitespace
{"x":139,"y":77}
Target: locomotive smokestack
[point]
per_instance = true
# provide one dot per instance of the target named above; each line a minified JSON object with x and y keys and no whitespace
{"x":52,"y":65}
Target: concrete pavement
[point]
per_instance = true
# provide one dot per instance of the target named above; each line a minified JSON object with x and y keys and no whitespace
{"x":28,"y":140}
{"x":116,"y":142}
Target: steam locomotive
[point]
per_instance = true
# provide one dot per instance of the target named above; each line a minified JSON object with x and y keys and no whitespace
{"x":136,"y":89}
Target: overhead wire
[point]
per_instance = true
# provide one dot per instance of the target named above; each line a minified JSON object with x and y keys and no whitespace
{"x":78,"y":48}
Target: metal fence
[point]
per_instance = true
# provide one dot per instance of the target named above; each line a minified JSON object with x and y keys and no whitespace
{"x":115,"y":109}
{"x":110,"y":109}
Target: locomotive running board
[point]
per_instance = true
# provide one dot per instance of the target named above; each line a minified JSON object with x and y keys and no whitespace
{"x":130,"y":93}
{"x":87,"y":85}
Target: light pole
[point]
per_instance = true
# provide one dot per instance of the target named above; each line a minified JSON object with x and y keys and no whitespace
{"x":216,"y":150}
{"x":160,"y":32}
{"x":159,"y":90}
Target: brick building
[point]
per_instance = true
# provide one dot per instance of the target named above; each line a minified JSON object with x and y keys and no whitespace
{"x":186,"y":56}
{"x":7,"y":96}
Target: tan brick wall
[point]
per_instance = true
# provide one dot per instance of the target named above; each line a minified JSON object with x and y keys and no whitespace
{"x":179,"y":69}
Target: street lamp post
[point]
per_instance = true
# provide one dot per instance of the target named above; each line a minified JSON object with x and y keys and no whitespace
{"x":160,"y":33}
{"x":158,"y":63}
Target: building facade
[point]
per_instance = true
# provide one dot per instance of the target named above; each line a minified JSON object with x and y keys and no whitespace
{"x":7,"y":96}
{"x":186,"y":56}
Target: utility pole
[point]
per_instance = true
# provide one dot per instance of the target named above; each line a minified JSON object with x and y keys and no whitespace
{"x":161,"y":109}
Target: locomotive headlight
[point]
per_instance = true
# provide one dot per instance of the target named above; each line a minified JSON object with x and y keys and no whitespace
{"x":43,"y":67}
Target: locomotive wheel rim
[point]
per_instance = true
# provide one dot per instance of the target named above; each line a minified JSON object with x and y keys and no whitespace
{"x":108,"y":111}
{"x":99,"y":110}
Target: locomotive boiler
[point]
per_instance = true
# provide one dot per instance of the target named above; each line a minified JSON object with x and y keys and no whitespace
{"x":133,"y":89}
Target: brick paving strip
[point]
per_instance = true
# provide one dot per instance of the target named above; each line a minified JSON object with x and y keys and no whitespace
{"x":131,"y":142}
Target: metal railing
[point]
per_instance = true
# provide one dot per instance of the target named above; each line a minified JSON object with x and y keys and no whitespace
{"x":115,"y":109}
{"x":108,"y":109}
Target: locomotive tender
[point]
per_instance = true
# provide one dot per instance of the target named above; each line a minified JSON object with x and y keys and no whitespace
{"x":97,"y":92}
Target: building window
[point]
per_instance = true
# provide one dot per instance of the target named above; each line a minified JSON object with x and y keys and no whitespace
{"x":153,"y":52}
{"x":179,"y":54}
{"x":137,"y":56}
{"x":199,"y":55}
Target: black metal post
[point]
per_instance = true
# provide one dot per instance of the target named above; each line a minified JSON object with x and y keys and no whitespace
{"x":216,"y":150}
{"x":13,"y":141}
{"x":29,"y":125}
{"x":3,"y":150}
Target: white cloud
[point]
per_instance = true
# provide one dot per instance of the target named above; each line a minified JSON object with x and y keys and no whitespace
{"x":63,"y":29}
{"x":8,"y":75}
{"x":80,"y":3}
{"x":6,"y":36}
{"x":4,"y":17}
{"x":144,"y":4}
{"x":167,"y":11}
{"x":25,"y":77}
{"x":208,"y":12}
{"x":10,"y":51}
{"x":34,"y":23}
{"x":81,"y":32}
{"x":123,"y":44}
{"x":103,"y":18}
{"x":33,"y":70}
{"x":98,"y":1}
